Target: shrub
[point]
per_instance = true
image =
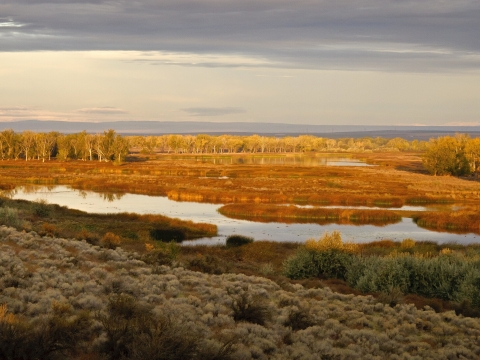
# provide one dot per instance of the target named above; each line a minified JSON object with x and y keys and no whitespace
{"x":299,"y":319}
{"x":391,"y":297}
{"x":48,"y":229}
{"x":331,"y":241}
{"x":238,"y":240}
{"x":267,"y":269}
{"x":307,"y":263}
{"x":41,"y":208}
{"x":9,"y":217}
{"x":209,"y":264}
{"x":407,"y":244}
{"x":167,"y":235}
{"x":110,"y":240}
{"x":250,"y":308}
{"x":55,"y":336}
{"x":301,"y":266}
{"x":165,"y":255}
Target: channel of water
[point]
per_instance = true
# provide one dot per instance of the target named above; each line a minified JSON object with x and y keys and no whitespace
{"x":93,"y":202}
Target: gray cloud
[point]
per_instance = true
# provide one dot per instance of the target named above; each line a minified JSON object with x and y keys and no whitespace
{"x":213,"y":111}
{"x":429,"y":35}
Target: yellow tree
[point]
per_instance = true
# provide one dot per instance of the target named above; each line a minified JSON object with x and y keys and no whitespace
{"x":472,"y":151}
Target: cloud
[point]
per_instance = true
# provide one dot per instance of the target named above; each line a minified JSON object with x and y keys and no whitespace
{"x":213,"y":111}
{"x":385,"y":35}
{"x":105,"y":110}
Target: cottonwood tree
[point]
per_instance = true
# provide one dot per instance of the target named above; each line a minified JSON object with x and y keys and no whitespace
{"x":44,"y":144}
{"x":120,"y":148}
{"x":8,"y":138}
{"x":27,"y":143}
{"x":472,"y":151}
{"x":446,"y":156}
{"x":89,"y":145}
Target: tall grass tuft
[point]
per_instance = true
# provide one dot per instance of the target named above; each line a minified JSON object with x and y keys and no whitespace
{"x":9,"y":217}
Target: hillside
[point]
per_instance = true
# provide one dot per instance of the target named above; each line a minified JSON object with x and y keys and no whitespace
{"x":65,"y":298}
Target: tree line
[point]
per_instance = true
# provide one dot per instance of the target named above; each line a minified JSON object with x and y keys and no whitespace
{"x":29,"y":145}
{"x":111,"y":146}
{"x":211,"y":144}
{"x":458,"y":155}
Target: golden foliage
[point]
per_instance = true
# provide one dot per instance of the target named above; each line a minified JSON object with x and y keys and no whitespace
{"x":407,"y":244}
{"x":331,"y":241}
{"x":5,"y":316}
{"x":110,"y":240}
{"x":446,"y":251}
{"x":149,"y":247}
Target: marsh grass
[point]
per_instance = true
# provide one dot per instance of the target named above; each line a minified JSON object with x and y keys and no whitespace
{"x":293,"y":214}
{"x":458,"y":221}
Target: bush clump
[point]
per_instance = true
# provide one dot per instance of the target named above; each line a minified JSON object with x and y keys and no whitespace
{"x":9,"y":217}
{"x":238,"y":240}
{"x":327,"y":257}
{"x":250,"y":308}
{"x":167,"y":235}
{"x":448,"y":276}
{"x":41,"y":208}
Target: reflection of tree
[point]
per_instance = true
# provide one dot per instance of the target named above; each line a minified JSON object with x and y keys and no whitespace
{"x":110,"y":197}
{"x":8,"y":193}
{"x":83,"y":194}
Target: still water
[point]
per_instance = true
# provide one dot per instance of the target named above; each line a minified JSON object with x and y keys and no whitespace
{"x":270,"y":160}
{"x":93,"y":202}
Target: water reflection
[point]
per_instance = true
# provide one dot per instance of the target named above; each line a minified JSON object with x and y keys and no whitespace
{"x":93,"y":202}
{"x":271,"y":160}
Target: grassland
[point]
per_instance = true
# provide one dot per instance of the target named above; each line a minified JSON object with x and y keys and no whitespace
{"x":67,"y":299}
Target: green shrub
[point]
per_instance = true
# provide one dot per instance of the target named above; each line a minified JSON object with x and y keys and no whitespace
{"x":450,"y":276}
{"x":9,"y":217}
{"x":310,"y":263}
{"x":41,"y":208}
{"x":164,"y":255}
{"x":238,"y":240}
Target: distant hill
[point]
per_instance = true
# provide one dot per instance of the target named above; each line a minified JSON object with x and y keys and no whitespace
{"x":240,"y":128}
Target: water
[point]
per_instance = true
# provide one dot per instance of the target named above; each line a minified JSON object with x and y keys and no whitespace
{"x":270,"y":160}
{"x":93,"y":202}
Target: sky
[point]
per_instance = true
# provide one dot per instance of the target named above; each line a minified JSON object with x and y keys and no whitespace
{"x":337,"y":62}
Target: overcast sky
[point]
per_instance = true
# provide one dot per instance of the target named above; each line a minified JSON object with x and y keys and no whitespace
{"x":369,"y":62}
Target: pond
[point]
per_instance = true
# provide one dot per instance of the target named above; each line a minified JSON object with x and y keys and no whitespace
{"x":303,"y":160}
{"x":93,"y":202}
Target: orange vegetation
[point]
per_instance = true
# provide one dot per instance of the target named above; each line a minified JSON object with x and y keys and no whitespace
{"x":458,"y":221}
{"x":293,"y":214}
{"x":381,"y":185}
